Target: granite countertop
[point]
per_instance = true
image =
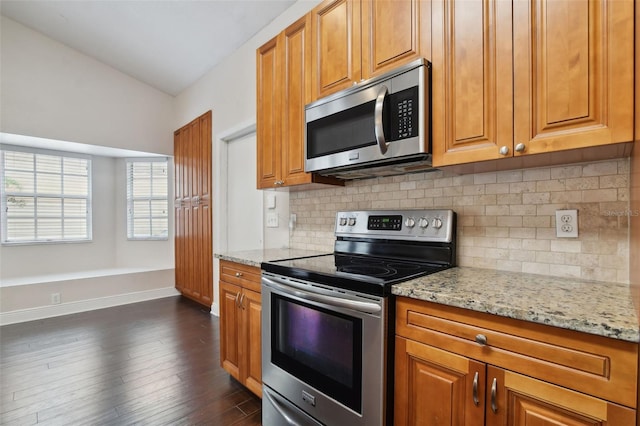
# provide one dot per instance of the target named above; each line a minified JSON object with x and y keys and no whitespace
{"x":604,"y":309}
{"x":256,"y":257}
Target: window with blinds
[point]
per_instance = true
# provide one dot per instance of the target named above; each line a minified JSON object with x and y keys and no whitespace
{"x":46,"y":196}
{"x":147,"y":199}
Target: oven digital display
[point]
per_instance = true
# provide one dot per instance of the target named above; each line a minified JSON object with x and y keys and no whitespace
{"x":385,"y":223}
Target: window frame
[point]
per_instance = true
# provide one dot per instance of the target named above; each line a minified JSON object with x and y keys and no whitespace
{"x":129,"y":200}
{"x":3,"y":197}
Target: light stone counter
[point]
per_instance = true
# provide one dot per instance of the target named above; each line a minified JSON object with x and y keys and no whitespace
{"x":256,"y":257}
{"x":605,"y":309}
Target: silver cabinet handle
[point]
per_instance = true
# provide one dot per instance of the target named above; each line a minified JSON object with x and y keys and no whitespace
{"x":379,"y":128}
{"x":504,"y":150}
{"x":237,"y":296}
{"x":494,"y":391}
{"x":481,"y":339}
{"x":520,"y":147}
{"x":278,"y":182}
{"x":476,"y":400}
{"x":238,"y":274}
{"x":241,"y":300}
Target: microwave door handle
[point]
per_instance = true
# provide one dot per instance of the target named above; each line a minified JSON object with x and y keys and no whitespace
{"x":379,"y":128}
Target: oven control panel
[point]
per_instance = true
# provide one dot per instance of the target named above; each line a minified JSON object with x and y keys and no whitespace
{"x":426,"y":225}
{"x":385,"y":222}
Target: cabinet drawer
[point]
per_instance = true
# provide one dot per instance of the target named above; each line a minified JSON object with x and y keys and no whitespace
{"x":243,"y":275}
{"x":599,"y":366}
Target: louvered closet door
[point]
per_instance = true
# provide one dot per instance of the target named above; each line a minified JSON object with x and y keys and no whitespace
{"x":193,"y":240}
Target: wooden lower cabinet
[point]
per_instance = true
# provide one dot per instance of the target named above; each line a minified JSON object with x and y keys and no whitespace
{"x":443,"y":376}
{"x":433,"y":387}
{"x":240,"y":324}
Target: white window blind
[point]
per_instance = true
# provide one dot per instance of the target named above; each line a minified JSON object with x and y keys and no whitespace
{"x":147,"y":202}
{"x":46,"y":196}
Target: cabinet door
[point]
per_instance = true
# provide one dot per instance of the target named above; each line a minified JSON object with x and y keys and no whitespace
{"x":230,"y":331}
{"x":336,"y":48}
{"x":252,"y":351}
{"x":472,"y":78}
{"x":296,"y":60}
{"x":268,"y":115}
{"x":517,"y":400}
{"x":437,"y":388}
{"x":573,"y":83}
{"x":393,"y":33}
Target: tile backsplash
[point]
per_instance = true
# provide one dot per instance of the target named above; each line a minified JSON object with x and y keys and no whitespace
{"x":506,"y":219}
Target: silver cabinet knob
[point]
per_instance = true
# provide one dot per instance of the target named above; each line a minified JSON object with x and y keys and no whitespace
{"x":481,"y":339}
{"x":238,"y":274}
{"x":520,"y":147}
{"x":504,"y":150}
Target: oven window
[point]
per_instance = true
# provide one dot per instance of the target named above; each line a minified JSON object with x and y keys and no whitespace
{"x":320,"y":347}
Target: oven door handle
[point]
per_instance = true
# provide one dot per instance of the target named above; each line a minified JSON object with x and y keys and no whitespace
{"x":303,"y":293}
{"x":290,"y":415}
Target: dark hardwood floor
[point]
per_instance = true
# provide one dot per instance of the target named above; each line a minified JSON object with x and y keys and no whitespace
{"x":149,"y":363}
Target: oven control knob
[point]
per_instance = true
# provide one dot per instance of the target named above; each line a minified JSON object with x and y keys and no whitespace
{"x":423,"y":222}
{"x":437,"y":223}
{"x":343,"y":221}
{"x":352,"y":221}
{"x":410,"y":222}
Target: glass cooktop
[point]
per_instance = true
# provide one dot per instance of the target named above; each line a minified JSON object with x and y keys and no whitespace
{"x":362,"y":273}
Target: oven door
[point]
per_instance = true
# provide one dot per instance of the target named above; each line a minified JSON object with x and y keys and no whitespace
{"x":324,"y":350}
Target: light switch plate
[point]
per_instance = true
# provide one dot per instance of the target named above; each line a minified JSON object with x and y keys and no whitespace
{"x":271,"y":201}
{"x":272,"y":220}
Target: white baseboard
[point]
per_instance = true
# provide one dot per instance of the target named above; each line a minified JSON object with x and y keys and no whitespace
{"x":215,"y":309}
{"x":49,"y":311}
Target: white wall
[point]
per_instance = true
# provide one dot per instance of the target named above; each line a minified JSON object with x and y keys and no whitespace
{"x":51,"y":91}
{"x":229,"y":90}
{"x":48,"y":90}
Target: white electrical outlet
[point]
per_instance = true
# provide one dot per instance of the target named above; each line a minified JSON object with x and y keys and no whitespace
{"x":55,"y":298}
{"x":567,"y":223}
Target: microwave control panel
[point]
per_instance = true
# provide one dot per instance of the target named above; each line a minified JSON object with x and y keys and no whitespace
{"x":404,"y":114}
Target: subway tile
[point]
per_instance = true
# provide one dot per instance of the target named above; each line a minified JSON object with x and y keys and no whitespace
{"x":569,"y":271}
{"x":482,"y":178}
{"x":600,"y":168}
{"x":536,"y":174}
{"x":562,"y":172}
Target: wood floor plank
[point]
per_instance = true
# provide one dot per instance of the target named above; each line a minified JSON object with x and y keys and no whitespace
{"x":154,"y":362}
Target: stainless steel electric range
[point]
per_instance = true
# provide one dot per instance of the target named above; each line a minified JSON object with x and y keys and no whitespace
{"x":327,"y":321}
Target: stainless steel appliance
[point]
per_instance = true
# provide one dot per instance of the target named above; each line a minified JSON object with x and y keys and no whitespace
{"x":378,"y":127}
{"x":327,"y":321}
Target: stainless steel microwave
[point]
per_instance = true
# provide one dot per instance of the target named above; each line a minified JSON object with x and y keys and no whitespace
{"x":378,"y":127}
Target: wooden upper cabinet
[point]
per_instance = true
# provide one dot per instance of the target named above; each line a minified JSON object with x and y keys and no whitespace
{"x":335,"y":36}
{"x":573,"y":68}
{"x":530,"y":77}
{"x":394,"y":32}
{"x":471,"y":80}
{"x":269,"y":88}
{"x":296,"y":92}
